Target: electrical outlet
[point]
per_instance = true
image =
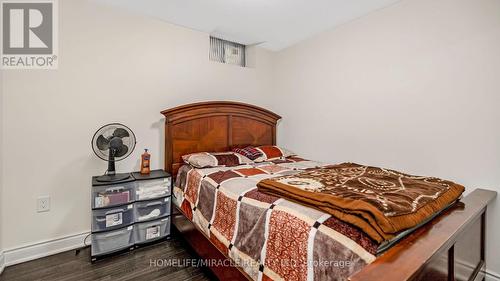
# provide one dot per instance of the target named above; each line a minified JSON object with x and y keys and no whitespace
{"x":43,"y":204}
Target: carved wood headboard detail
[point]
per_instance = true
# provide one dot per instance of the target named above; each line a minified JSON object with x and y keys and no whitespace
{"x":215,"y":126}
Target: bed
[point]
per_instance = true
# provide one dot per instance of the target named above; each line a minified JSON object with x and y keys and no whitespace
{"x":450,"y":246}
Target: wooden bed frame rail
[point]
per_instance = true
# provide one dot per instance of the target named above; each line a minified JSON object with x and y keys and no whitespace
{"x":450,"y":247}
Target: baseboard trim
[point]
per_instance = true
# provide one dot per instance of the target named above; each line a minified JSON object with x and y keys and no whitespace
{"x":44,"y":248}
{"x":2,"y":262}
{"x":492,"y":276}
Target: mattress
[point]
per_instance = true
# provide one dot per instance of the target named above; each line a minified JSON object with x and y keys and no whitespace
{"x":267,"y":236}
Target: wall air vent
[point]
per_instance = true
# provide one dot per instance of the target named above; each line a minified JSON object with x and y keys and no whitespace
{"x":226,"y":51}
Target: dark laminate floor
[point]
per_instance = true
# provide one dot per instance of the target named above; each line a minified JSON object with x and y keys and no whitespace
{"x":133,"y":265}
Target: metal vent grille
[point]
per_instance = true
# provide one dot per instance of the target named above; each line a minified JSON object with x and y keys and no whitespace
{"x":227,"y":52}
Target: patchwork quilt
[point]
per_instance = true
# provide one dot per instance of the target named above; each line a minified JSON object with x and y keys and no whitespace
{"x":269,"y":237}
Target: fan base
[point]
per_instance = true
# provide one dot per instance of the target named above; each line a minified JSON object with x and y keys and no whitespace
{"x":113,"y":178}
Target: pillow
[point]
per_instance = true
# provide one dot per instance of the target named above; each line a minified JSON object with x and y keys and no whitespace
{"x":215,"y":159}
{"x":273,"y":152}
{"x":250,"y":152}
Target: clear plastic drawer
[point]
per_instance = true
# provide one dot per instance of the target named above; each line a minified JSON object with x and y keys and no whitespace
{"x":151,"y":189}
{"x":108,"y":242}
{"x":153,"y":209}
{"x":112,"y":195}
{"x":112,"y":218}
{"x":150,"y":231}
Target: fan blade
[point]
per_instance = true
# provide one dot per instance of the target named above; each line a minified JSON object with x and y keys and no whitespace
{"x":102,"y":143}
{"x":121,"y":133}
{"x":121,"y":151}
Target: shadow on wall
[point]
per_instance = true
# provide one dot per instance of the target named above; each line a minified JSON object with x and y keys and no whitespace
{"x":160,"y":126}
{"x":492,"y":246}
{"x":66,"y":206}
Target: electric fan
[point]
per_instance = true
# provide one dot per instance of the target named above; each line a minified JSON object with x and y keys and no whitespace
{"x":113,"y":142}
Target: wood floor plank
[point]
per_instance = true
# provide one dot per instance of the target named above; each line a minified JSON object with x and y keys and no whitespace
{"x":135,"y":265}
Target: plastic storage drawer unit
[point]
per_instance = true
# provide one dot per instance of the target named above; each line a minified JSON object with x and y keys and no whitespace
{"x":149,"y":231}
{"x":113,"y":218}
{"x":151,"y":189}
{"x":112,"y":195}
{"x":108,"y":242}
{"x":150,"y":210}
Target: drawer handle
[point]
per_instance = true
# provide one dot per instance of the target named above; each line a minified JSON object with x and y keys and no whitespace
{"x":115,"y":233}
{"x":115,"y":211}
{"x":153,"y":204}
{"x":152,"y":185}
{"x":115,"y":189}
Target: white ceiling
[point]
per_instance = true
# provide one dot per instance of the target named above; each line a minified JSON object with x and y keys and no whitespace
{"x":276,"y":24}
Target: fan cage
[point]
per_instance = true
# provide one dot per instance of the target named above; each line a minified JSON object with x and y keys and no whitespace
{"x":107,"y":130}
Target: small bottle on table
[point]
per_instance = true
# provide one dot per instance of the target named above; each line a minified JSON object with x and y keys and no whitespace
{"x":145,"y":162}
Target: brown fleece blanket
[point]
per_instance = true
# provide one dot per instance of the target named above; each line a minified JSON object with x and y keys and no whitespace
{"x":381,"y":202}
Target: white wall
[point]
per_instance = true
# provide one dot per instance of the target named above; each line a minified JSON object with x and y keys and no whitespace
{"x":414,"y":87}
{"x":113,"y":66}
{"x":1,"y":169}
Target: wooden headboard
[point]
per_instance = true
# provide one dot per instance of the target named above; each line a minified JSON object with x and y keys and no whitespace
{"x":215,"y":126}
